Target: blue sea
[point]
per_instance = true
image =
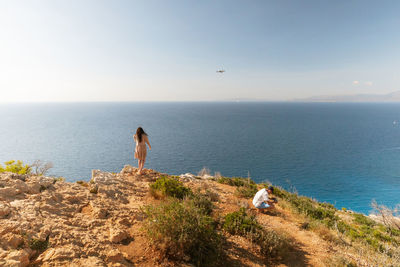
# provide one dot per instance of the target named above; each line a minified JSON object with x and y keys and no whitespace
{"x":343,"y":153}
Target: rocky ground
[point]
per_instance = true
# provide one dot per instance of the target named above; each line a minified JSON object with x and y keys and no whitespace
{"x":49,"y":222}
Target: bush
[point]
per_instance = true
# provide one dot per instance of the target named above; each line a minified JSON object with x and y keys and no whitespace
{"x":240,"y":223}
{"x":38,"y":245}
{"x":169,"y":186}
{"x":15,"y":167}
{"x":362,"y":219}
{"x":235,"y":181}
{"x":181,"y":229}
{"x":203,"y":202}
{"x":40,"y":167}
{"x":246,"y":191}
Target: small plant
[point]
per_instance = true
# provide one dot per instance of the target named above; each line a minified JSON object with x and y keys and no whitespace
{"x":271,"y":243}
{"x":181,"y":230}
{"x":203,"y":172}
{"x":246,"y":191}
{"x":58,"y":179}
{"x":94,"y":189}
{"x":240,"y":223}
{"x":40,"y":167}
{"x":82,"y":183}
{"x":38,"y":245}
{"x":169,"y":186}
{"x":15,"y":167}
{"x":213,"y":196}
{"x":235,"y":181}
{"x":202,"y":202}
{"x":362,"y":219}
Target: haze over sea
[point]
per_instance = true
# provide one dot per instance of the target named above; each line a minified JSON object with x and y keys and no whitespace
{"x":343,"y":153}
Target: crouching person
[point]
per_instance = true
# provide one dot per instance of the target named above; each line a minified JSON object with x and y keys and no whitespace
{"x":262,"y":200}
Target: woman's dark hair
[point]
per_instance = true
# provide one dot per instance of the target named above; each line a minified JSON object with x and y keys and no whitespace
{"x":139,"y":133}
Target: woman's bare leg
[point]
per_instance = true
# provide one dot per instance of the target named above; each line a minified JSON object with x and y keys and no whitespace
{"x":143,"y":161}
{"x":139,"y":166}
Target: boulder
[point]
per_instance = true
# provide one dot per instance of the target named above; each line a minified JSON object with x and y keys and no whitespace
{"x":100,"y":213}
{"x":118,"y":235}
{"x":13,"y":240}
{"x":18,"y":258}
{"x":114,"y":255}
{"x":9,"y":192}
{"x":4,"y":210}
{"x":92,"y":262}
{"x":100,"y":177}
{"x":128,"y":169}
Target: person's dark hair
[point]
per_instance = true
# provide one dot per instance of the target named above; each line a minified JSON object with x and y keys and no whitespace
{"x":139,"y":133}
{"x":271,"y":188}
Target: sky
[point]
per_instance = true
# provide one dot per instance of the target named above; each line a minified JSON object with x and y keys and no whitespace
{"x":83,"y":50}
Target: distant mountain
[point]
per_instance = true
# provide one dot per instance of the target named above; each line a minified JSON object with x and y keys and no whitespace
{"x":391,"y":97}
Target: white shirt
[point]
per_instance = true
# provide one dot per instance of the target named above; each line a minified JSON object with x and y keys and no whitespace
{"x":260,"y":197}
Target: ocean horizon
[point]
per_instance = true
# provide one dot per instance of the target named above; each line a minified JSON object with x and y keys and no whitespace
{"x":346,"y":154}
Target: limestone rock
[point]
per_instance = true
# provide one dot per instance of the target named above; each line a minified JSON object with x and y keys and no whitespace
{"x":4,"y":210}
{"x":115,"y":255}
{"x":91,"y":261}
{"x":13,"y":240}
{"x":118,"y":235}
{"x":18,"y":258}
{"x":100,"y":177}
{"x":9,"y":191}
{"x":128,"y":169}
{"x":100,"y":213}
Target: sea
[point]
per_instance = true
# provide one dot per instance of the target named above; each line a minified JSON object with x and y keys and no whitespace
{"x":347,"y":154}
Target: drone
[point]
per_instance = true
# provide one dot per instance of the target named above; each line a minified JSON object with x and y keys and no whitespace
{"x":220,"y":71}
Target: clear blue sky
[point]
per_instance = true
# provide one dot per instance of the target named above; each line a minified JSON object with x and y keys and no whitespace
{"x":170,"y":50}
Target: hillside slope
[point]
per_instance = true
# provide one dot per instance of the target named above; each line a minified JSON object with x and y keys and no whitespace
{"x":45,"y":221}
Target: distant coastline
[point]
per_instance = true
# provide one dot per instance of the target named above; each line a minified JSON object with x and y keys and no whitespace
{"x":368,"y":98}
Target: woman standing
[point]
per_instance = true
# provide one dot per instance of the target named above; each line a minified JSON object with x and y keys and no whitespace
{"x":141,"y":139}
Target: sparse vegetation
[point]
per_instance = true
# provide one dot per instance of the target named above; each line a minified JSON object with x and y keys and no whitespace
{"x":82,"y":183}
{"x":271,"y":243}
{"x":181,"y":229}
{"x":58,"y":179}
{"x":203,"y":172}
{"x":235,"y":181}
{"x":40,"y":167}
{"x":17,"y":167}
{"x":355,"y":228}
{"x":203,"y":202}
{"x":169,"y":186}
{"x":39,"y":245}
{"x":246,"y":187}
{"x":246,"y":191}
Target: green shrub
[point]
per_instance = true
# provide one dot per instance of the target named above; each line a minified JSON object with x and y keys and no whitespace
{"x":211,"y":195}
{"x":246,"y":191}
{"x":15,"y":167}
{"x":235,"y":181}
{"x":343,"y":227}
{"x":240,"y":223}
{"x":362,"y":219}
{"x":283,"y":194}
{"x":169,"y":186}
{"x":82,"y":183}
{"x":203,"y":202}
{"x":271,"y":243}
{"x":181,"y":229}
